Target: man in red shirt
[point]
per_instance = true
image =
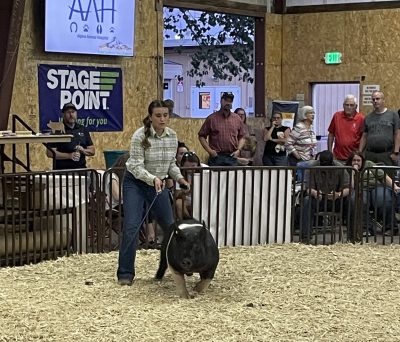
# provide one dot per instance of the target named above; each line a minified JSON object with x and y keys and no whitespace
{"x":345,"y":129}
{"x":225,"y":132}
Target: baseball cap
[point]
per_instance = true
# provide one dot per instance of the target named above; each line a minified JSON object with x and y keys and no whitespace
{"x":68,"y":105}
{"x":227,"y":96}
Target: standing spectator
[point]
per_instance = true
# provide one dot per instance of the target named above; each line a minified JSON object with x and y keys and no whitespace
{"x":72,"y":155}
{"x":225,"y":133}
{"x":345,"y":129}
{"x":275,"y":137}
{"x":302,"y":140}
{"x":250,"y":144}
{"x":381,"y":137}
{"x":152,"y":157}
{"x":170,"y":105}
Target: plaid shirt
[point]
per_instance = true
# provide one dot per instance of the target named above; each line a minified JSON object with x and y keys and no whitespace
{"x":223,"y":132}
{"x":158,"y":160}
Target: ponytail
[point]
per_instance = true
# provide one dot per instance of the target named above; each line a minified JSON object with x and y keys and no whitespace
{"x":147,"y":123}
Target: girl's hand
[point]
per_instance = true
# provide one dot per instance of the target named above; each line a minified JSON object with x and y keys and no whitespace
{"x":158,"y":184}
{"x":185,"y":185}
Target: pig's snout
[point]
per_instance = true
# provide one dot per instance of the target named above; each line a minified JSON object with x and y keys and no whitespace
{"x":186,"y":264}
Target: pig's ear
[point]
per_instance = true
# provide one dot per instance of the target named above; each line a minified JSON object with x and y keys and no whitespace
{"x":177,"y":231}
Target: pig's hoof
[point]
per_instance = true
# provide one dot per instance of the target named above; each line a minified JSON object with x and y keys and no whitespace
{"x":186,"y":295}
{"x":198,"y":289}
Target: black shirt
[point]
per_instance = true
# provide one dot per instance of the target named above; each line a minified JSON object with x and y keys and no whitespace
{"x":270,"y":145}
{"x":80,"y":137}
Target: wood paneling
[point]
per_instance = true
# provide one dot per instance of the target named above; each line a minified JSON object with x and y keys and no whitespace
{"x":139,"y":77}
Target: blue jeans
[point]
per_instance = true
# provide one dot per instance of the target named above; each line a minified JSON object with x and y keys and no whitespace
{"x":301,"y":166}
{"x":378,"y":199}
{"x":135,"y":194}
{"x":223,"y":159}
{"x":312,"y":205}
{"x":271,"y":160}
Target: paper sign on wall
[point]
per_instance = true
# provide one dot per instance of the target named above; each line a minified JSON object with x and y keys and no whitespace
{"x":370,"y":88}
{"x":366,"y":100}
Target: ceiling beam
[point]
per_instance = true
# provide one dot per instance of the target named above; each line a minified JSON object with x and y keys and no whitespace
{"x":342,"y":7}
{"x":220,"y":6}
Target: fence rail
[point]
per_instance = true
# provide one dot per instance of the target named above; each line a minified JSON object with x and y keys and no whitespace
{"x":45,"y":215}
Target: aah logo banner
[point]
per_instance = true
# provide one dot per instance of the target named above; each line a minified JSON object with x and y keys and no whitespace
{"x":90,"y":26}
{"x":96,"y":93}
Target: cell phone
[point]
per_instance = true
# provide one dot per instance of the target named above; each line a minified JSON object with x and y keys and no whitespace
{"x":183,"y":186}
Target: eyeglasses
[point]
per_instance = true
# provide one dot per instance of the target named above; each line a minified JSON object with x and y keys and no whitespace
{"x":276,"y":118}
{"x":349,"y":104}
{"x":188,"y":154}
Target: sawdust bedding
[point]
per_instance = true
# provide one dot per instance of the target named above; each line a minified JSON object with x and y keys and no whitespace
{"x":266,"y":293}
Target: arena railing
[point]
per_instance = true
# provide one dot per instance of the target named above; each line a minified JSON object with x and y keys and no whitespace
{"x":45,"y":215}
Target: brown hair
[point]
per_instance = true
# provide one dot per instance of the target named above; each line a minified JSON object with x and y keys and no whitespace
{"x":349,"y":161}
{"x":241,"y":109}
{"x":147,"y":122}
{"x":121,"y":163}
{"x":190,"y":157}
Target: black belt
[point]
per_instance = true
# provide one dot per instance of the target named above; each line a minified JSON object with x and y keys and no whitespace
{"x":381,"y":151}
{"x":225,"y":153}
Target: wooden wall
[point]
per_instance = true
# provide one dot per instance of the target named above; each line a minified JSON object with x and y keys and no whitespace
{"x":369,"y":41}
{"x":296,"y":43}
{"x":140,"y":77}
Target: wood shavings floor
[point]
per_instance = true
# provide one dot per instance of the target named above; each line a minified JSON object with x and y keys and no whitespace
{"x":267,"y":293}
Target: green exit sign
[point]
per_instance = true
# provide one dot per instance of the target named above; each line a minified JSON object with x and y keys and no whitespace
{"x":333,"y":58}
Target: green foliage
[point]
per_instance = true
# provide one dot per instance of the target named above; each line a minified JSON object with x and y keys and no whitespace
{"x":213,"y":56}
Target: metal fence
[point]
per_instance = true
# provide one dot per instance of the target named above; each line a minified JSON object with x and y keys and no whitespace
{"x":45,"y":215}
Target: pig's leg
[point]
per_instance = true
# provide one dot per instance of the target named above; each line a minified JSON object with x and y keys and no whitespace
{"x":163,"y":255}
{"x":180,"y":282}
{"x":205,"y":281}
{"x":202,"y":285}
{"x":163,"y":263}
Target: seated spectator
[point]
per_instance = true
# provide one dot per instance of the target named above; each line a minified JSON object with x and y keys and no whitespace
{"x":376,"y":193}
{"x":327,"y":189}
{"x":183,"y":198}
{"x":182,"y":148}
{"x":114,"y":200}
{"x":112,"y":182}
{"x":250,"y":143}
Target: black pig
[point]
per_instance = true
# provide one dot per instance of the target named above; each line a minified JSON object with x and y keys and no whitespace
{"x":189,"y":249}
